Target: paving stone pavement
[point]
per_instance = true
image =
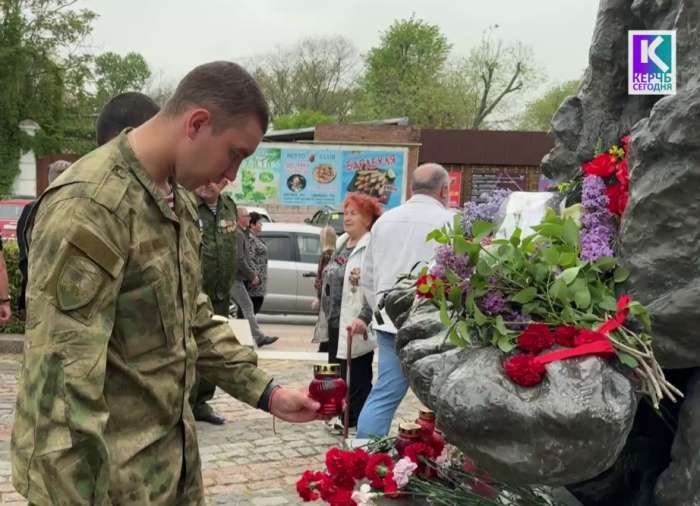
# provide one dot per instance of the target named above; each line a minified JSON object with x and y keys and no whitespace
{"x":243,"y":462}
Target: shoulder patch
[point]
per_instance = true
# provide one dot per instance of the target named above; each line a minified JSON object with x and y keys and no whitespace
{"x":78,"y":283}
{"x":97,"y":249}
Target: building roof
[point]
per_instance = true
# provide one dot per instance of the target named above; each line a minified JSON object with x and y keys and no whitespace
{"x":484,"y":147}
{"x":307,"y":134}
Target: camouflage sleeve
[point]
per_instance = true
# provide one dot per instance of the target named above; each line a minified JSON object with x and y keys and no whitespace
{"x":223,"y":360}
{"x":76,"y":270}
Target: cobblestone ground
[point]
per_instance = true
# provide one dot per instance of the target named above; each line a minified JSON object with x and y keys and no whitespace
{"x":243,"y":462}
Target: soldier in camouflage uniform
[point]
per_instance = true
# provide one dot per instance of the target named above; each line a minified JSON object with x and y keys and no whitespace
{"x":117,"y":319}
{"x":217,"y":222}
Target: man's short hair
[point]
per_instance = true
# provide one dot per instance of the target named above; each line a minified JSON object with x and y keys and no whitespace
{"x":57,"y":168}
{"x":130,"y":109}
{"x":224,"y":88}
{"x":437,"y":178}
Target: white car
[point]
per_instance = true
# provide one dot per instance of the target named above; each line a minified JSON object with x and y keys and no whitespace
{"x":293,"y":250}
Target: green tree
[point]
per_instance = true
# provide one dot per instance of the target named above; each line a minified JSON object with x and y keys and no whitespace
{"x":483,"y":83}
{"x":316,"y":74}
{"x":33,"y":35}
{"x":538,"y":113}
{"x":405,"y":74}
{"x":302,"y":119}
{"x":115,"y":74}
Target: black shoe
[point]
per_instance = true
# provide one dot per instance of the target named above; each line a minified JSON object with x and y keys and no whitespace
{"x":211,"y":418}
{"x":266,"y":340}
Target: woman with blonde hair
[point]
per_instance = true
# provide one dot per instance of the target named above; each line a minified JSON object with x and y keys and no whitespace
{"x":328,"y":239}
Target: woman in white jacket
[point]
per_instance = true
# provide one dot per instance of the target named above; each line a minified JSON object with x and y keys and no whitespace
{"x":344,"y":303}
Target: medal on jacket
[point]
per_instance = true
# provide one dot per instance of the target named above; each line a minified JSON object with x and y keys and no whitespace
{"x":354,"y":279}
{"x":227,"y":225}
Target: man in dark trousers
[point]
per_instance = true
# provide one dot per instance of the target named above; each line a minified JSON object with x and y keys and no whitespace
{"x":217,"y":222}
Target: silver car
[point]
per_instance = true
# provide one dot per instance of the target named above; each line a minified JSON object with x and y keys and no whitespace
{"x":293,"y":250}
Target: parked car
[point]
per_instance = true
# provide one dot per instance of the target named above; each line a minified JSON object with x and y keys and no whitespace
{"x":293,"y":251}
{"x":10,"y":211}
{"x":328,"y":217}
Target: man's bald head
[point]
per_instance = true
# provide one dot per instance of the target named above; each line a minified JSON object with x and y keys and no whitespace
{"x":431,"y":179}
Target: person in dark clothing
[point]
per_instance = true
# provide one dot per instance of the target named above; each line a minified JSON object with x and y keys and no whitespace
{"x":130,"y":109}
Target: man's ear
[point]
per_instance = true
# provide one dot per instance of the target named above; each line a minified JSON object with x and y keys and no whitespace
{"x":195,"y":121}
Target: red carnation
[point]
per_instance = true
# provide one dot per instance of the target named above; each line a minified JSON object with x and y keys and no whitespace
{"x":359,"y":463}
{"x":565,"y":336}
{"x":524,"y":370}
{"x":390,"y":486}
{"x":536,"y":338}
{"x":328,"y":488}
{"x":622,"y":173}
{"x":602,"y":165}
{"x":343,"y":497}
{"x":437,"y":442}
{"x":377,"y":466}
{"x":617,"y":198}
{"x":416,"y":450}
{"x":340,"y":467}
{"x":308,"y":485}
{"x":426,"y":280}
{"x":625,"y":141}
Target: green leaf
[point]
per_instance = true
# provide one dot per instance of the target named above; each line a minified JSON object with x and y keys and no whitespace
{"x":638,"y":310}
{"x":437,"y":235}
{"x":559,"y":290}
{"x":482,"y":228}
{"x":582,"y":297}
{"x":505,"y":344}
{"x":621,"y":274}
{"x":455,"y":339}
{"x":551,"y":255}
{"x":567,"y":259}
{"x":455,"y":297}
{"x":608,"y":303}
{"x":553,"y":230}
{"x":479,"y":317}
{"x":457,"y":225}
{"x":444,"y":317}
{"x":569,"y":275}
{"x":524,"y":296}
{"x":627,"y":359}
{"x":570,"y":233}
{"x":541,"y":272}
{"x":461,"y":246}
{"x":568,"y":314}
{"x":515,"y":238}
{"x":501,"y":326}
{"x":534,"y":308}
{"x":463,"y":331}
{"x":605,"y":263}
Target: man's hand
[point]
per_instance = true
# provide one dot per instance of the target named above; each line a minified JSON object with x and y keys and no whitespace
{"x":357,"y":327}
{"x":5,"y":312}
{"x":293,"y":405}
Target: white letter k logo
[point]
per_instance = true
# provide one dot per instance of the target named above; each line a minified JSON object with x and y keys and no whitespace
{"x":649,"y":53}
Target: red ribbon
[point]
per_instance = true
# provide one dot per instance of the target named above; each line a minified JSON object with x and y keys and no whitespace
{"x":602,"y":346}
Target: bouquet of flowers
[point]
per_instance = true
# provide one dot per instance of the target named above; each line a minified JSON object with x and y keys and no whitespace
{"x":429,"y":474}
{"x":561,"y":286}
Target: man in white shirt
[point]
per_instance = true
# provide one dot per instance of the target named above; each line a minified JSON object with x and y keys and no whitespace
{"x":398,"y":243}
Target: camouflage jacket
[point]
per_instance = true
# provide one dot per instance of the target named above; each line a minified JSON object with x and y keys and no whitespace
{"x":116,"y":325}
{"x":218,"y":252}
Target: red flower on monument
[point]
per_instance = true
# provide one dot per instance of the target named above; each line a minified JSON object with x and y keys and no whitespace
{"x":524,"y":370}
{"x":617,"y":198}
{"x":535,"y":338}
{"x":309,"y":484}
{"x":602,"y":165}
{"x":565,"y":335}
{"x":378,"y":466}
{"x":343,"y":497}
{"x":418,"y":450}
{"x":390,"y":486}
{"x":425,"y":286}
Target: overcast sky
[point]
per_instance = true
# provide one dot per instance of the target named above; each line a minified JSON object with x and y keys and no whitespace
{"x":175,"y":35}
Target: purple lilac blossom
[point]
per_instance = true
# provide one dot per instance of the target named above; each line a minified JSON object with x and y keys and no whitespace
{"x":438,"y":271}
{"x":493,"y":302}
{"x":459,"y":264}
{"x":485,"y":211}
{"x":597,"y":227}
